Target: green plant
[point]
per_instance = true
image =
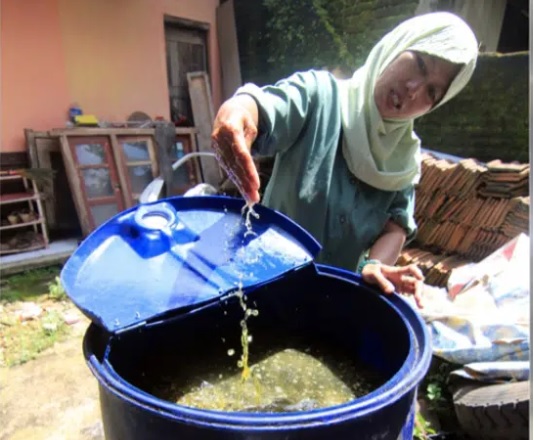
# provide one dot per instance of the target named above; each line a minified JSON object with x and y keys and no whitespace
{"x":27,"y":285}
{"x":56,"y":290}
{"x":434,"y":391}
{"x":422,"y":428}
{"x":22,"y":341}
{"x":435,"y":386}
{"x":344,"y":31}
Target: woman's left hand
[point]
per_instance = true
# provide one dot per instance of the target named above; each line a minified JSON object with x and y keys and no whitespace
{"x":402,"y":279}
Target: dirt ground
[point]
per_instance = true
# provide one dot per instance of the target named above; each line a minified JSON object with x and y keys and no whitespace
{"x":53,"y":397}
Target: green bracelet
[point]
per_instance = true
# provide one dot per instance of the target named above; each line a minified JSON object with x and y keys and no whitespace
{"x":365,"y":262}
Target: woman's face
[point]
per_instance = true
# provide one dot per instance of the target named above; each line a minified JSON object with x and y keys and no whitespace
{"x":412,"y":84}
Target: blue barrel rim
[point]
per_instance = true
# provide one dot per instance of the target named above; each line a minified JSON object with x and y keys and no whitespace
{"x":383,"y":396}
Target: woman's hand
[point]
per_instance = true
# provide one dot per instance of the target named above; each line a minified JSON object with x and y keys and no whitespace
{"x":234,"y":131}
{"x":405,"y":279}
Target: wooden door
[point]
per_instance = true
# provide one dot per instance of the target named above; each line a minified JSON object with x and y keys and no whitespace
{"x":94,"y":179}
{"x":186,"y":52}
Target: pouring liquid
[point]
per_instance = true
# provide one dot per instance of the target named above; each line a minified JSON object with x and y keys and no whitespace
{"x":283,"y":377}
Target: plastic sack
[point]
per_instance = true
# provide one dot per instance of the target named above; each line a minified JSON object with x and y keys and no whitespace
{"x":484,"y":314}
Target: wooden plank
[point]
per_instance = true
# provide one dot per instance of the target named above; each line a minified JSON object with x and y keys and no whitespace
{"x":170,"y":19}
{"x":44,"y":145}
{"x":165,"y":137}
{"x":122,"y":171}
{"x":17,"y":251}
{"x":17,"y":197}
{"x":13,"y":160}
{"x":30,"y":146}
{"x":201,"y":102}
{"x":41,"y":214}
{"x":153,"y":158}
{"x":195,"y":163}
{"x":228,"y":48}
{"x":75,"y":185}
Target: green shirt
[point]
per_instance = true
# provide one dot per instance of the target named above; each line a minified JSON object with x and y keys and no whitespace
{"x":300,"y":124}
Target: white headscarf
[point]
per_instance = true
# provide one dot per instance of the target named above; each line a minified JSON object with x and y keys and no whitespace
{"x":386,"y":153}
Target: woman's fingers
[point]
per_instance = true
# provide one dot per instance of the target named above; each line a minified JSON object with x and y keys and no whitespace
{"x":414,"y":270}
{"x":231,"y":138}
{"x":244,"y":166}
{"x":406,"y":279}
{"x":373,"y":274}
{"x":412,"y":286}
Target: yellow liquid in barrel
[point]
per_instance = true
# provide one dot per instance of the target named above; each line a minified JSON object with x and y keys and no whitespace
{"x":287,"y":380}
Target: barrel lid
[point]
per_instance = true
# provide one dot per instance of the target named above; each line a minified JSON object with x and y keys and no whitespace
{"x":177,"y":254}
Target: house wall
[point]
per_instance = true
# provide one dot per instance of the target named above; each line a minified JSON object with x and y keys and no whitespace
{"x":33,"y":77}
{"x":106,"y":55}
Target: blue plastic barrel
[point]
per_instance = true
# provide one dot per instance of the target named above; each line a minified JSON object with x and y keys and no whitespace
{"x":305,"y":302}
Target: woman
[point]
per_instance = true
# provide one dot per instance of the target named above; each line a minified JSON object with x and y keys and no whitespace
{"x":346,"y":156}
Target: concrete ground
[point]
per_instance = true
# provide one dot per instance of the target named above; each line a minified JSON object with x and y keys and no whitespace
{"x":54,"y":397}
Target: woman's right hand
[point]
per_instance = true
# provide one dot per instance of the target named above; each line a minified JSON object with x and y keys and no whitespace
{"x":234,"y":131}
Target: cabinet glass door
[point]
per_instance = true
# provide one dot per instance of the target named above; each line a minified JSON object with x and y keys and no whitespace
{"x":188,"y":174}
{"x":139,"y":164}
{"x":98,"y":181}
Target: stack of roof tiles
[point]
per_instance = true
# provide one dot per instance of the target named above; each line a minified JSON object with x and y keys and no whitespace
{"x":465,"y":211}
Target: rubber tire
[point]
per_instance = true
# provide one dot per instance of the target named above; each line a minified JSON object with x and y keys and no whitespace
{"x":494,"y":412}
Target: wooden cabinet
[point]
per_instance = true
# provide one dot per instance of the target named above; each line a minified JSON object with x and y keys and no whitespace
{"x":108,"y":169}
{"x":23,"y":224}
{"x":94,"y":178}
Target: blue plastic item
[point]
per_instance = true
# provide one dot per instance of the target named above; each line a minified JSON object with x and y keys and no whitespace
{"x":157,"y":281}
{"x":74,"y":110}
{"x":177,"y":254}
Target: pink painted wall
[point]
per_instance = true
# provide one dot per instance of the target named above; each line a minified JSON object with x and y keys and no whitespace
{"x":106,"y":55}
{"x":33,"y":82}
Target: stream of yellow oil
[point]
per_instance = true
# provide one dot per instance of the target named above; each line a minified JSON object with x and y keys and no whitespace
{"x":248,"y":212}
{"x":246,"y":338}
{"x":287,"y":380}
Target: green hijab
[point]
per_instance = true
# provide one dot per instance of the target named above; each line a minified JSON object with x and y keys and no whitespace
{"x":386,"y":153}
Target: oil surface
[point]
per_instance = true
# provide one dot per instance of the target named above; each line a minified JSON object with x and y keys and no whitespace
{"x":280,"y":374}
{"x":285,"y":380}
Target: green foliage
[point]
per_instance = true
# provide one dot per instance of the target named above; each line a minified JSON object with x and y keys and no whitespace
{"x":22,"y":341}
{"x":350,"y":29}
{"x":422,"y":428}
{"x":489,"y":119}
{"x":435,"y":385}
{"x":304,"y":34}
{"x":434,"y":392}
{"x":56,"y":290}
{"x":27,"y":285}
{"x":297,"y":38}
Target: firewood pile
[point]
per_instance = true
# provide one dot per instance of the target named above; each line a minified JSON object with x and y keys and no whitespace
{"x":465,"y":211}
